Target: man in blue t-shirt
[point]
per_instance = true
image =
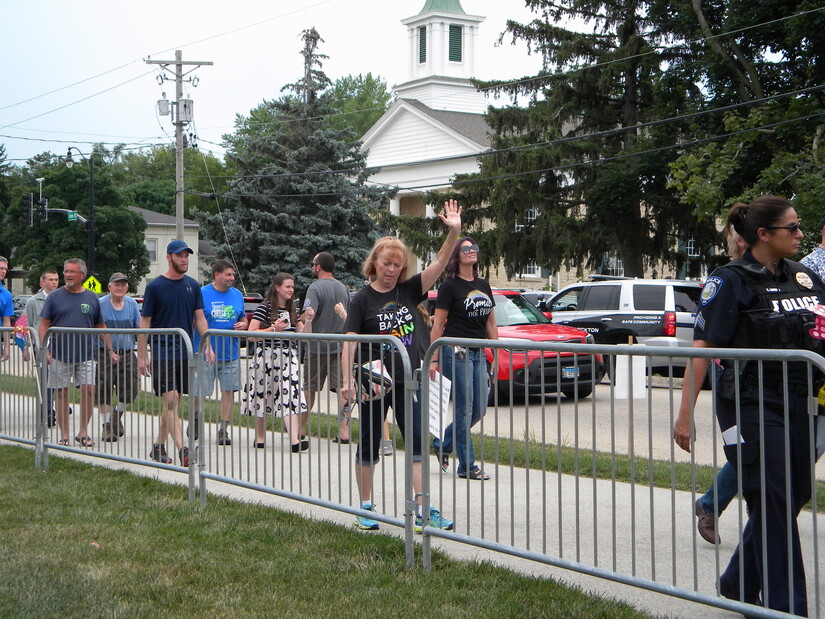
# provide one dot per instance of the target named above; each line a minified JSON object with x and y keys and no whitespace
{"x":120,"y":370}
{"x":6,"y":308}
{"x":173,"y":300}
{"x":71,"y":356}
{"x":223,"y":309}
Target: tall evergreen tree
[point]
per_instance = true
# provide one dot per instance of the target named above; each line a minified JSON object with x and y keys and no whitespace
{"x":576,"y":181}
{"x":300,"y":187}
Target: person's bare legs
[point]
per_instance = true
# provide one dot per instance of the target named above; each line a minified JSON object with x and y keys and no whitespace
{"x":87,"y":394}
{"x":61,"y":398}
{"x":260,"y":430}
{"x":363,"y":479}
{"x":169,"y":420}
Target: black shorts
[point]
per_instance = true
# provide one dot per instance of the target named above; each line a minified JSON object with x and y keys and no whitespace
{"x":170,"y":375}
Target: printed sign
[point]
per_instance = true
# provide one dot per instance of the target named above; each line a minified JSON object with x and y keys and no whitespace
{"x":92,"y":284}
{"x":439,"y":404}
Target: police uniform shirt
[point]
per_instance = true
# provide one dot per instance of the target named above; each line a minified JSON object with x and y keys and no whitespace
{"x":726,"y":294}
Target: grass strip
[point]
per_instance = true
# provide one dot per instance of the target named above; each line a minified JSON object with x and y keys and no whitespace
{"x":85,"y":541}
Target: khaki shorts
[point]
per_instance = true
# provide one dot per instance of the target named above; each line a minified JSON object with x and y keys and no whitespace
{"x":319,"y":367}
{"x":62,"y":373}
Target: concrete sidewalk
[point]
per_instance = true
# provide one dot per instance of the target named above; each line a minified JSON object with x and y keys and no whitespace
{"x":616,"y":526}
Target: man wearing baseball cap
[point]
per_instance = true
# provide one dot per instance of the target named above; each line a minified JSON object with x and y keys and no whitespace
{"x":119,"y":370}
{"x":173,"y":300}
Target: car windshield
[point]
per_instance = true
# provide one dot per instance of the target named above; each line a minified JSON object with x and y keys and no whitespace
{"x":516,"y":310}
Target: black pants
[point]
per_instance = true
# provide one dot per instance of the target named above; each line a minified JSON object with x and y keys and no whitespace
{"x":767,"y":530}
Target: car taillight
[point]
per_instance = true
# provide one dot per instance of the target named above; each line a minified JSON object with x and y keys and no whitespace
{"x":670,"y":324}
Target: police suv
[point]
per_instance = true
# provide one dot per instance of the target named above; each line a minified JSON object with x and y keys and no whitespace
{"x":654,"y":312}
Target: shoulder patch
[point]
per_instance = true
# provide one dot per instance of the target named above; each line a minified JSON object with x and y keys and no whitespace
{"x":712,"y":286}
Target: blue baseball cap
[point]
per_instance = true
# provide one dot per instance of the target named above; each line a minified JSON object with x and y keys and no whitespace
{"x":176,"y":247}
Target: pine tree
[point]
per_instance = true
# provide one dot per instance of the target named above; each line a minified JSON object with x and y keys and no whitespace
{"x":300,"y":188}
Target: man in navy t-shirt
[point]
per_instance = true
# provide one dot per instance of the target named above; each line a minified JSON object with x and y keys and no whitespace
{"x":173,"y":300}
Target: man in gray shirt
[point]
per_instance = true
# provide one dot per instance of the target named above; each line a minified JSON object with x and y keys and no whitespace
{"x":49,"y":281}
{"x":330,"y":299}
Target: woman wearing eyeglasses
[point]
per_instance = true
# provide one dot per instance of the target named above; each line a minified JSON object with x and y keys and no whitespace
{"x":464,"y":309}
{"x":762,"y":301}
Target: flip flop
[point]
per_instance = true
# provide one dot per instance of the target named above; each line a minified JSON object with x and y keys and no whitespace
{"x":85,"y":441}
{"x":340,"y":441}
{"x":64,"y":442}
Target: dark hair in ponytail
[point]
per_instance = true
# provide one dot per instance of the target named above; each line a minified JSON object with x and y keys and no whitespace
{"x":764,"y":212}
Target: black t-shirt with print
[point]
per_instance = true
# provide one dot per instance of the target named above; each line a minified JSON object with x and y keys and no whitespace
{"x":468,"y":305}
{"x":390,"y":313}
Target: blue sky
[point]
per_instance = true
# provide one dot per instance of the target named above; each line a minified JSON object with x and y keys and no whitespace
{"x":75,"y":72}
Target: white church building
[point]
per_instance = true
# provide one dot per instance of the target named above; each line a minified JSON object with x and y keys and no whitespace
{"x":435,"y":128}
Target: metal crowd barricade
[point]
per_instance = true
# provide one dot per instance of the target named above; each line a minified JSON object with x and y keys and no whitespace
{"x":142,"y":412}
{"x":581,"y":478}
{"x":19,"y":386}
{"x":566,"y":491}
{"x":324,"y":474}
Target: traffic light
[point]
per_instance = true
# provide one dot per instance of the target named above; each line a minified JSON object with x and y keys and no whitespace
{"x":28,"y":200}
{"x":43,"y":209}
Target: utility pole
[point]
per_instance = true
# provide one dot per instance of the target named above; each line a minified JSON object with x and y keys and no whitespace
{"x":183,"y":116}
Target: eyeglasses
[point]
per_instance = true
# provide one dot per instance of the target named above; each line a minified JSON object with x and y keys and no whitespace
{"x":466,"y":249}
{"x":315,"y":264}
{"x":792,"y":228}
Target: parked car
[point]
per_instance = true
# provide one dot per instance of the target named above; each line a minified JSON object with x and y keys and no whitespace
{"x":533,"y":371}
{"x":654,"y":312}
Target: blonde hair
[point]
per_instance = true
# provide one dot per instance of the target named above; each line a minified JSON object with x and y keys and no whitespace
{"x":386,"y":244}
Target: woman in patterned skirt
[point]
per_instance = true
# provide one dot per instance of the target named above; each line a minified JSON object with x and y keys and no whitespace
{"x":273,"y":384}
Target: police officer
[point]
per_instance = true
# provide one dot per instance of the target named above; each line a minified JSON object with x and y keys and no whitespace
{"x":762,"y":300}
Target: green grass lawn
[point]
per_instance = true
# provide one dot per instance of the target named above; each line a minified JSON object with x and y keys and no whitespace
{"x":85,"y":541}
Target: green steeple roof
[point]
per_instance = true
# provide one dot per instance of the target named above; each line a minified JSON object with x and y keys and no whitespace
{"x":443,"y":6}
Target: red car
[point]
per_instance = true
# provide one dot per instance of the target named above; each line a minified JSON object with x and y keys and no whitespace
{"x":532,"y":371}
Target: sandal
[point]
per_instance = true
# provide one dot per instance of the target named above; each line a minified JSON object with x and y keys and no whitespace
{"x":63,"y":442}
{"x":475,"y":473}
{"x":85,"y":441}
{"x":340,"y":441}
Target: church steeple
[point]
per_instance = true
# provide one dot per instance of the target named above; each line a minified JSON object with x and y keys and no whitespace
{"x":442,"y":55}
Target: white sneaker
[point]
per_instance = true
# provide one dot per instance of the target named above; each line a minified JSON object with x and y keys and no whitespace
{"x":388,"y":448}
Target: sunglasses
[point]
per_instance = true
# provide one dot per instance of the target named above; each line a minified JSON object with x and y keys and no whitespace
{"x":466,"y":249}
{"x":792,"y":228}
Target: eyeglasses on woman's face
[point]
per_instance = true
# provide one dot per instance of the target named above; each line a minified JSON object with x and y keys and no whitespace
{"x":792,"y":228}
{"x":466,"y":249}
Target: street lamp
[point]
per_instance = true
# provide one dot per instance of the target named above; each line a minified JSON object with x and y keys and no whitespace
{"x":90,"y":221}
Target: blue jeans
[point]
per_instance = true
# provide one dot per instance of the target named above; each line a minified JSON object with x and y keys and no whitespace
{"x":469,"y":391}
{"x":727,"y":487}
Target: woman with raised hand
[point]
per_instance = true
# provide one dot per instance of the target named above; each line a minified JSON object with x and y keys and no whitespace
{"x":387,"y":306}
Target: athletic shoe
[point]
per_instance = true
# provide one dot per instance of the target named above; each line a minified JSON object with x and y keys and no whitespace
{"x":193,"y":424}
{"x":444,"y":462}
{"x":223,"y":437}
{"x":158,"y":454}
{"x":364,"y":523}
{"x":387,"y":447}
{"x":108,"y":434}
{"x":183,"y":454}
{"x":436,"y":520}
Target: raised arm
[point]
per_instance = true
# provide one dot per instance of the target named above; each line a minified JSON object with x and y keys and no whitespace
{"x":452,"y":219}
